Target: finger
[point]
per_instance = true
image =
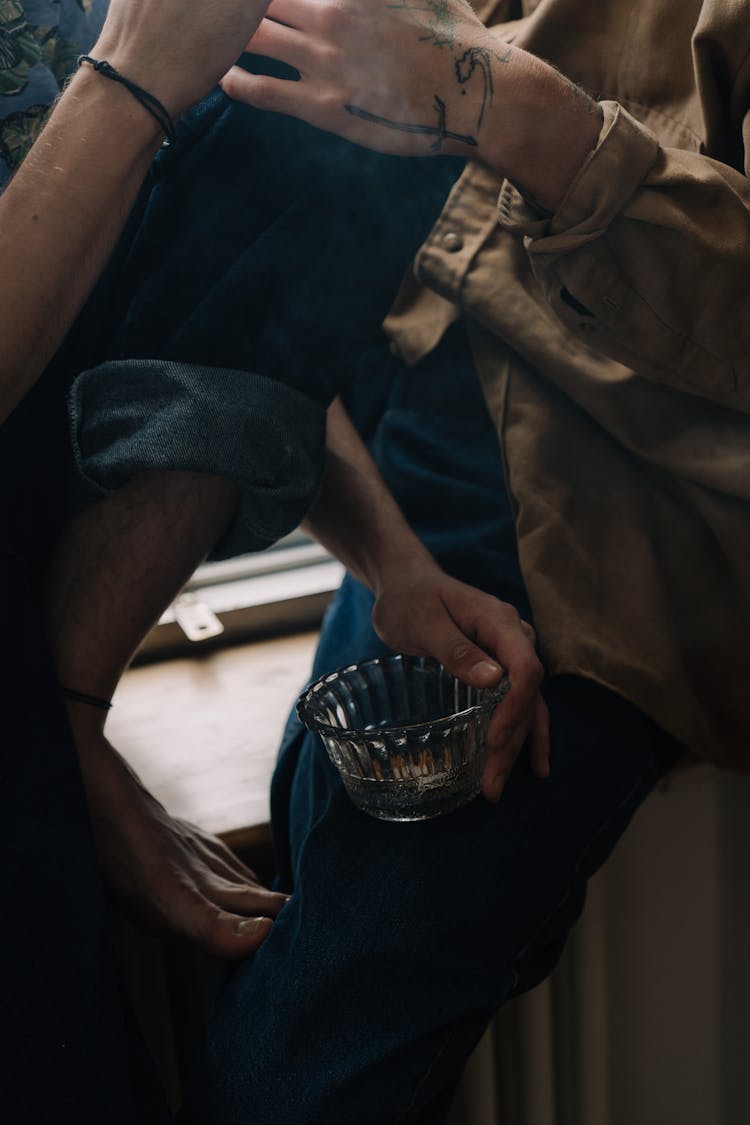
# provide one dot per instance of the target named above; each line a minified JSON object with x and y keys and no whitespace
{"x":245,"y":900}
{"x":525,"y":674}
{"x":528,"y":631}
{"x":230,"y":935}
{"x":461,"y":656}
{"x":276,"y":95}
{"x":499,"y":765}
{"x":277,"y":41}
{"x":502,"y":632}
{"x":294,"y":13}
{"x":539,"y":743}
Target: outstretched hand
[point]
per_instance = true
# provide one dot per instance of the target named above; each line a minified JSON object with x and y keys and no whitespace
{"x":411,"y":77}
{"x":476,"y":637}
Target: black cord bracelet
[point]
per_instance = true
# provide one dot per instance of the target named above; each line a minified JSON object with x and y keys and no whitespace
{"x":148,"y":101}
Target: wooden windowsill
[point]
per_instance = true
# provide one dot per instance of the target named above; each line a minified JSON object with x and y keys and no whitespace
{"x":203,"y":732}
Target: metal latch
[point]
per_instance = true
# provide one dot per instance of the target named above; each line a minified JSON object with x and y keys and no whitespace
{"x":197,"y":620}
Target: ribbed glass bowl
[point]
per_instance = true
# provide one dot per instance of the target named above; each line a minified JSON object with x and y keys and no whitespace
{"x":407,"y":737}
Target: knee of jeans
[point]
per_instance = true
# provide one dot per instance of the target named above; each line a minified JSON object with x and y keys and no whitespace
{"x":130,"y":416}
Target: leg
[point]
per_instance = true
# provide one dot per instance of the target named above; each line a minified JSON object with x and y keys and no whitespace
{"x":119,"y":563}
{"x":401,"y":940}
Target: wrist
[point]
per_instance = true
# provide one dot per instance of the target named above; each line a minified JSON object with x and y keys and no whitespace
{"x":151,"y":104}
{"x":539,"y":130}
{"x":161,"y":76}
{"x":115,"y":107}
{"x":399,"y":564}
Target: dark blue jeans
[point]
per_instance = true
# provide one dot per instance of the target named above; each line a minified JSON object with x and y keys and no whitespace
{"x":401,"y":940}
{"x":259,"y":262}
{"x":258,"y":265}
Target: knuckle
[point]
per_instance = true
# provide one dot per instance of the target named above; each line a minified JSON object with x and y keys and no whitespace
{"x":462,"y":652}
{"x":332,"y":15}
{"x":509,"y":613}
{"x":530,"y":670}
{"x":209,"y":926}
{"x":213,"y":922}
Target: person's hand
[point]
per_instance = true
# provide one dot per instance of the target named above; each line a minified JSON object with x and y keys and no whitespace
{"x":169,"y":873}
{"x":177,"y":50}
{"x":413,"y":77}
{"x":477,"y":637}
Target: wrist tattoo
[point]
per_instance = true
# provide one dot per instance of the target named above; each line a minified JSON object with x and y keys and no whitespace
{"x":440,"y":131}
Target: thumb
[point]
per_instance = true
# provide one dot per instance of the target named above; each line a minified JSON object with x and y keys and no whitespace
{"x":463,"y":658}
{"x":231,"y":936}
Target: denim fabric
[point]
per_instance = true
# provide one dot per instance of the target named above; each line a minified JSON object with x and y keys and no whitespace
{"x":400,"y":940}
{"x":260,"y":247}
{"x":164,"y":415}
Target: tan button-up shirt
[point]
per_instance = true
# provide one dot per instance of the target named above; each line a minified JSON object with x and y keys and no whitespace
{"x":613,"y":343}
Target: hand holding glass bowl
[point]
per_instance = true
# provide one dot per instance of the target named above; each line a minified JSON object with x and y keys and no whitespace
{"x":408,"y":738}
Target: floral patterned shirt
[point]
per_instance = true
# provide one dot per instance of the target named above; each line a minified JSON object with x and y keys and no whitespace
{"x":39,"y":43}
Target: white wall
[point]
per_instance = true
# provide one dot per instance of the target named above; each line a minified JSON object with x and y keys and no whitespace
{"x":647,"y":1019}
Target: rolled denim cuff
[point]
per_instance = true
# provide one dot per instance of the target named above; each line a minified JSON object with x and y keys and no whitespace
{"x":131,"y":416}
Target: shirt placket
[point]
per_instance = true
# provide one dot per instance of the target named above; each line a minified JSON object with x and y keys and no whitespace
{"x":467,"y":221}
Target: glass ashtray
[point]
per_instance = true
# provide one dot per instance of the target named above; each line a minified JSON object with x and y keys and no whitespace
{"x":407,"y":737}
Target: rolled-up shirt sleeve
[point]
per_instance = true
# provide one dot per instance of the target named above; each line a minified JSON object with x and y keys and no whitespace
{"x":648,"y":258}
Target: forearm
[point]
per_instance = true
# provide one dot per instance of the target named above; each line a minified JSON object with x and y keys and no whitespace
{"x":60,"y":218}
{"x":61,"y":215}
{"x":420,"y":610}
{"x":355,"y":515}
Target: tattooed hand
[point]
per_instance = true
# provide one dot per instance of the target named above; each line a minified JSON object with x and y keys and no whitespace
{"x":412,"y":77}
{"x":423,"y":77}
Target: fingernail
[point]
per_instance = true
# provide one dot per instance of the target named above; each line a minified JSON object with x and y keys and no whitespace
{"x":250,"y":925}
{"x":485,"y":669}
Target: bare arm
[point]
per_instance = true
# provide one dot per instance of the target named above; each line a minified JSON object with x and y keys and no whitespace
{"x":62,"y":213}
{"x":420,"y":609}
{"x":60,"y":217}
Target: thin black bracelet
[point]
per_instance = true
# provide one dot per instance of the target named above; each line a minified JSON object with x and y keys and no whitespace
{"x":83,"y":697}
{"x":159,"y":113}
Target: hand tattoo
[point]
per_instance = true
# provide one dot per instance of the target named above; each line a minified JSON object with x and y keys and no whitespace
{"x":441,"y":22}
{"x":436,"y":17}
{"x":479,"y":58}
{"x":439,"y":131}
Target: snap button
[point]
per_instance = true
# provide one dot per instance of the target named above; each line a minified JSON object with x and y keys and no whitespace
{"x":452,"y":241}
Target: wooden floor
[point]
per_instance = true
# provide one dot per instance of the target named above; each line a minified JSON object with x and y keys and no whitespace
{"x":203,"y":732}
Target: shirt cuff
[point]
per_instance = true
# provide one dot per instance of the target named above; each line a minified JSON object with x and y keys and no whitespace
{"x":609,"y":177}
